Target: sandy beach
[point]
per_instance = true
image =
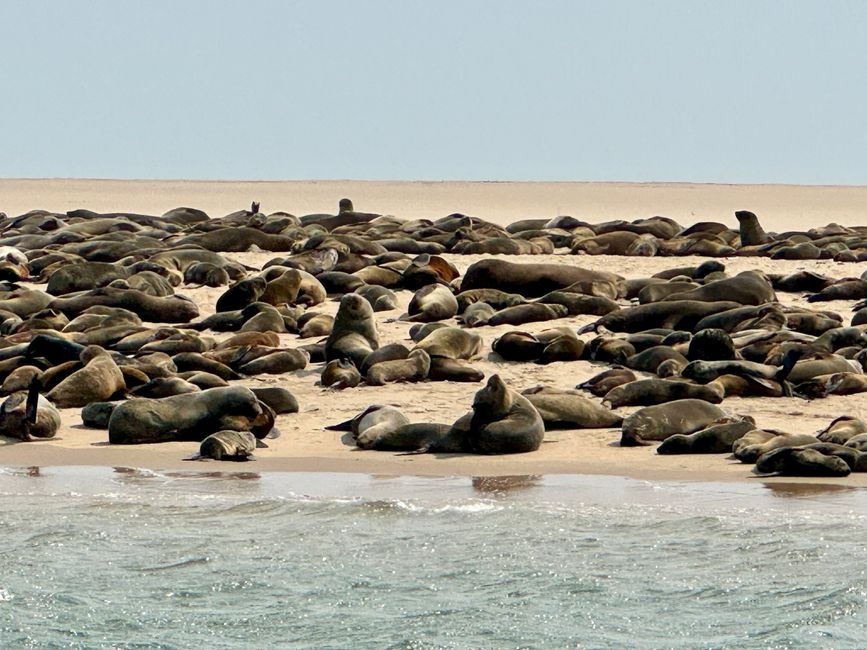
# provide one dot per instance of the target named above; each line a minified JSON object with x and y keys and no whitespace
{"x":305,"y":446}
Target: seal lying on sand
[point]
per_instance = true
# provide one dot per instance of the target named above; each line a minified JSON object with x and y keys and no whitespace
{"x":27,"y":415}
{"x":229,"y":445}
{"x":185,"y":417}
{"x":663,"y":420}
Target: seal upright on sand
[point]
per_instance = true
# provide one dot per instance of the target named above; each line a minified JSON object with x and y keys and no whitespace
{"x":501,"y":422}
{"x":354,"y":334}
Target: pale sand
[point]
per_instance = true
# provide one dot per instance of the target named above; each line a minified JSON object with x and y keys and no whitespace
{"x":306,"y":446}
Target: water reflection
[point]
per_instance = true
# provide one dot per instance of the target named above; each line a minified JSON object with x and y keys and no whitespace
{"x":503,"y":484}
{"x":805,"y":489}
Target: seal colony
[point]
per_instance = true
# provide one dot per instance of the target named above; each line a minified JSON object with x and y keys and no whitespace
{"x":97,"y":317}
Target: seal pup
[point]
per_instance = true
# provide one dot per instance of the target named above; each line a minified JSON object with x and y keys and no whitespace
{"x":229,"y":445}
{"x":415,"y":367}
{"x":340,"y":374}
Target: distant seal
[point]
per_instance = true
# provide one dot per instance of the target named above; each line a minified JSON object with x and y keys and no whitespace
{"x":679,"y":315}
{"x":97,"y":381}
{"x":414,"y":368}
{"x":282,"y":289}
{"x":528,"y":313}
{"x":569,"y":409}
{"x":354,"y":334}
{"x":164,"y":387}
{"x":340,"y":374}
{"x":433,"y":302}
{"x":747,"y":288}
{"x":716,"y":439}
{"x":663,"y":420}
{"x":229,"y":445}
{"x":528,"y":280}
{"x":96,"y":414}
{"x":380,"y":298}
{"x":750,"y":230}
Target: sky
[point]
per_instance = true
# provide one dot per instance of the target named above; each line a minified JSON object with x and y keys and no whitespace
{"x":725,"y":92}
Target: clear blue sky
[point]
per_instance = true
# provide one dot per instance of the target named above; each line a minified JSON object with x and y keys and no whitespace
{"x":545,"y":90}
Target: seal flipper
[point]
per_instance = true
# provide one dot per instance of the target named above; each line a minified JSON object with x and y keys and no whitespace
{"x":420,"y":450}
{"x":260,"y":444}
{"x":196,"y":457}
{"x":31,"y":410}
{"x":792,"y":357}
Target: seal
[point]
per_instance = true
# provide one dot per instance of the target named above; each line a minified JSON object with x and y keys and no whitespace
{"x":528,"y":280}
{"x":414,"y":368}
{"x":354,"y":334}
{"x":374,"y":421}
{"x":842,"y":429}
{"x":241,"y":294}
{"x":97,"y":381}
{"x":599,"y":385}
{"x":340,"y":374}
{"x":27,"y":415}
{"x":711,"y":345}
{"x":229,"y":445}
{"x":647,"y":392}
{"x":184,"y":417}
{"x":750,"y":230}
{"x":656,"y":423}
{"x":501,"y":422}
{"x":451,"y":343}
{"x":791,"y":461}
{"x":431,"y":303}
{"x":528,"y":313}
{"x":716,"y":439}
{"x":442,"y":369}
{"x":756,"y":443}
{"x":568,"y":409}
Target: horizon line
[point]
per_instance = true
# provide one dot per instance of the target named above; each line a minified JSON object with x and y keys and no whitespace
{"x":423,"y":181}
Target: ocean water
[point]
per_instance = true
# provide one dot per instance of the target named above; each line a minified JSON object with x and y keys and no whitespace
{"x":121,"y":558}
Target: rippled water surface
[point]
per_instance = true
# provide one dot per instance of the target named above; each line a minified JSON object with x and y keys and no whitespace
{"x":101,"y":558}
